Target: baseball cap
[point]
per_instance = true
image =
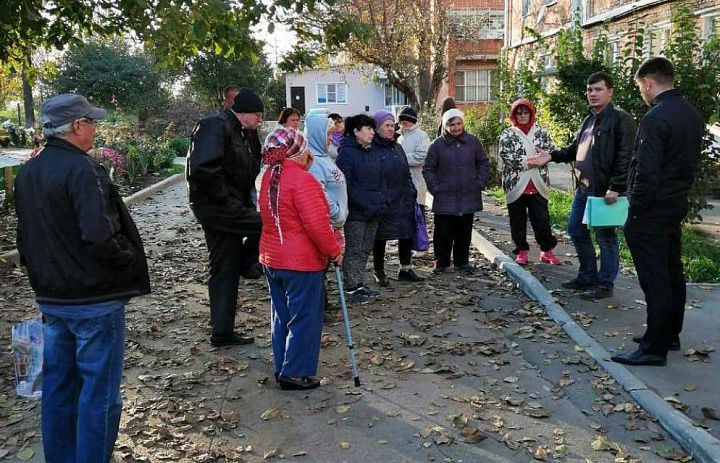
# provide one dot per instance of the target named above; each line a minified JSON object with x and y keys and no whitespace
{"x":65,"y":108}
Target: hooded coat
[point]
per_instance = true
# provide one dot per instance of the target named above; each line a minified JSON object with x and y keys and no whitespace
{"x":324,"y":168}
{"x":515,"y":147}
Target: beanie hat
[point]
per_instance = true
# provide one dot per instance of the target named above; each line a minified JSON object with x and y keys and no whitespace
{"x":408,"y":114}
{"x":451,"y":114}
{"x":381,"y":116}
{"x":247,"y":101}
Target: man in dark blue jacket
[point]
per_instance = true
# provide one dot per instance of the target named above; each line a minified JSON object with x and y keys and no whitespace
{"x":85,"y":260}
{"x":662,"y":172}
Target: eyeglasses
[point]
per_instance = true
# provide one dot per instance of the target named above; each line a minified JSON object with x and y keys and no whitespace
{"x":87,"y":121}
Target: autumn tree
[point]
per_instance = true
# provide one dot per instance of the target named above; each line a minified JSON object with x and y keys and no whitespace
{"x":172,"y":30}
{"x":412,"y":42}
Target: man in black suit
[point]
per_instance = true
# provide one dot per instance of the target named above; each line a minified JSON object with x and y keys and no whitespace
{"x":662,"y":171}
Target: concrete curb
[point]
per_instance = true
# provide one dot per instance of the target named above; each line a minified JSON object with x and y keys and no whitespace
{"x":701,"y":445}
{"x":12,"y":258}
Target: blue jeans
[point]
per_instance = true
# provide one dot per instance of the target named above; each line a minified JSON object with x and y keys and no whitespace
{"x":606,"y":240}
{"x":297,"y":315}
{"x":81,"y":402}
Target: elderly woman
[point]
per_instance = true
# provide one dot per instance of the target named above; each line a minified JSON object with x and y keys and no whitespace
{"x":447,"y":104}
{"x":296,"y":244}
{"x":397,"y":220}
{"x":363,"y":175}
{"x":526,"y":188}
{"x":456,"y":173}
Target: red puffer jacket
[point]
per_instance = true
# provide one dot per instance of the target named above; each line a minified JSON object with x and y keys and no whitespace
{"x":308,"y":239}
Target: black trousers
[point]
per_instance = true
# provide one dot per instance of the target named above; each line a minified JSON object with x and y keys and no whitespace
{"x":536,"y":207}
{"x":452,"y":234}
{"x":404,"y":250}
{"x":230,"y":254}
{"x":655,"y":245}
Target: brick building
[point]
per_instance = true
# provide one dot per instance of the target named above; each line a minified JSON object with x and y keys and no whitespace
{"x":474,"y":50}
{"x":621,"y":17}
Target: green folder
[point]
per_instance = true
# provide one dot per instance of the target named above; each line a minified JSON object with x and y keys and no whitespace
{"x":600,"y":214}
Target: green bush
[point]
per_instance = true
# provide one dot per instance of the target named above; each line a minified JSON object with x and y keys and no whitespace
{"x":164,"y":156}
{"x":179,"y":146}
{"x":487,"y":126}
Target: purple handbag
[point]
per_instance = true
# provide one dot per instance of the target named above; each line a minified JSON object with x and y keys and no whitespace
{"x":421,"y":240}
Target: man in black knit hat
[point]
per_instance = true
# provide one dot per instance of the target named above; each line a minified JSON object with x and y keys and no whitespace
{"x":222,"y":164}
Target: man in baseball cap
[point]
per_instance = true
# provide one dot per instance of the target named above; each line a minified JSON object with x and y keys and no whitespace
{"x":64,"y":109}
{"x":222,"y":164}
{"x":85,"y":260}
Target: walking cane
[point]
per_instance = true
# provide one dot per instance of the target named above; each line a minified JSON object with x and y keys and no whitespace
{"x":348,"y":335}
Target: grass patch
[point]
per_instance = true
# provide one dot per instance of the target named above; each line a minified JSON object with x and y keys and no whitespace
{"x":700,"y":254}
{"x":559,"y":205}
{"x":497,"y":194}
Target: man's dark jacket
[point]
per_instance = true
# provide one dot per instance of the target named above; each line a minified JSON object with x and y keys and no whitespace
{"x":664,"y":163}
{"x":223,"y":161}
{"x":611,"y":149}
{"x":74,"y":233}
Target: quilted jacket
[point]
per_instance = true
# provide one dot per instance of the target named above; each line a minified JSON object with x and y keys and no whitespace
{"x":308,"y":240}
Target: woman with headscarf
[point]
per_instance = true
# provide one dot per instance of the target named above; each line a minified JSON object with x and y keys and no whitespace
{"x":456,"y":173}
{"x":397,"y":221}
{"x":296,"y":243}
{"x":526,"y":188}
{"x":363,"y":176}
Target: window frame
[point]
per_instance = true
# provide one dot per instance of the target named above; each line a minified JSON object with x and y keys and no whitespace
{"x":491,"y":75}
{"x":327,"y":101}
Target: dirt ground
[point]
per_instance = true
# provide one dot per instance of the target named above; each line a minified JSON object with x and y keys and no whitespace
{"x":454,"y":369}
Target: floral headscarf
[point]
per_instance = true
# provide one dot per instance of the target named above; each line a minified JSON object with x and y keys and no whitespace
{"x":282,"y":143}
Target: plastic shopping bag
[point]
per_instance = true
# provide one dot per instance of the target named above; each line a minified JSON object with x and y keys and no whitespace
{"x":27,"y":347}
{"x":421,"y":240}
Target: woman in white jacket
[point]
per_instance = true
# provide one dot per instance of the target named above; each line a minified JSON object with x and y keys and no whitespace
{"x":415,"y":143}
{"x":526,"y":188}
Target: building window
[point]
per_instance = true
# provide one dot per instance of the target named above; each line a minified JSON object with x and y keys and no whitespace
{"x":612,"y":53}
{"x":332,"y":93}
{"x":393,"y":96}
{"x":656,"y":39}
{"x":711,"y":25}
{"x":477,"y":24}
{"x":473,"y":86}
{"x":525,"y":7}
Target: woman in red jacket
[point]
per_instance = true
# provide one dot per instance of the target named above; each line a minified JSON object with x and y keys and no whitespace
{"x":295,"y":246}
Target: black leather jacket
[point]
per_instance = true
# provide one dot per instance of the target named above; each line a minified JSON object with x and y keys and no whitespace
{"x":74,"y":233}
{"x":611,"y":147}
{"x":665,"y":160}
{"x":222,"y":164}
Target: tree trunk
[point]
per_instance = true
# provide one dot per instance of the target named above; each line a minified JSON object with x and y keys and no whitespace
{"x":28,"y":96}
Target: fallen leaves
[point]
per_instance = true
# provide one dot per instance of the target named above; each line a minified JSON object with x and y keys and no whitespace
{"x":702,"y":355}
{"x":270,"y":414}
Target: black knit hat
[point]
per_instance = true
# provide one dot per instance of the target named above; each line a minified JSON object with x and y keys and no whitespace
{"x":408,"y":114}
{"x":247,"y":101}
